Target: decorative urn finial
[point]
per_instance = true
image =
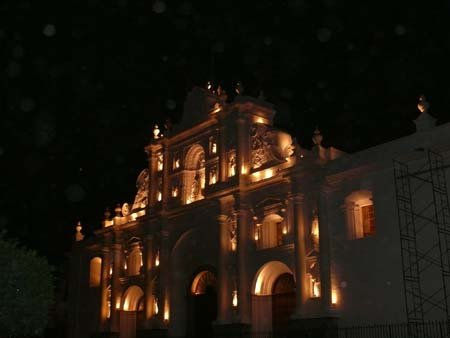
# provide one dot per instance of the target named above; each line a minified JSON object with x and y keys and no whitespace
{"x":317,"y":137}
{"x":156,"y":132}
{"x":118,"y":210}
{"x":423,"y":104}
{"x":107,"y":214}
{"x":79,"y":236}
{"x":261,"y":96}
{"x":424,"y":121}
{"x":239,"y":88}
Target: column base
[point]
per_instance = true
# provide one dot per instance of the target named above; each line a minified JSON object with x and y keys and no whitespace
{"x":235,"y":330}
{"x":151,"y":333}
{"x":318,"y":327}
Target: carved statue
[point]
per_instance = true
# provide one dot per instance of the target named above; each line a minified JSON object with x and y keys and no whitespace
{"x":141,"y":199}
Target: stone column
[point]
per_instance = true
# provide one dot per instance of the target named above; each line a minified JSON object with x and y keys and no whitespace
{"x":224,"y":289}
{"x":164,"y":275}
{"x":300,"y":263}
{"x":324,"y":257}
{"x":106,"y":263}
{"x":223,"y":161}
{"x":243,"y":244}
{"x":148,"y":265}
{"x":152,"y":167}
{"x":165,"y":178}
{"x":243,"y":144}
{"x":116,"y":289}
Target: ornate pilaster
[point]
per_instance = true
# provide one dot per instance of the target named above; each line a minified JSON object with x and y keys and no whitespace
{"x":148,"y":265}
{"x":223,"y":161}
{"x":224,"y":283}
{"x":242,"y":154}
{"x":165,"y":181}
{"x":243,"y":244}
{"x":153,"y":181}
{"x":116,"y":289}
{"x":104,"y":306}
{"x":164,"y":312}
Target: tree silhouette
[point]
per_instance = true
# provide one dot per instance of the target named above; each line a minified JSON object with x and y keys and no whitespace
{"x":26,"y":290}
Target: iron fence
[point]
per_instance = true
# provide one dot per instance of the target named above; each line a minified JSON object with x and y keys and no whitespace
{"x":431,"y":329}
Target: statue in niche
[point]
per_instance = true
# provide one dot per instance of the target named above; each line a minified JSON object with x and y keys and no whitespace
{"x":141,"y":199}
{"x":232,"y":165}
{"x":195,"y":189}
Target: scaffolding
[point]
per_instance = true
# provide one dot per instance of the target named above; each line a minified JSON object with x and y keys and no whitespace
{"x":424,"y":224}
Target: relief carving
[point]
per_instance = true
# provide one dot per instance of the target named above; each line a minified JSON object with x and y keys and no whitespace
{"x":269,"y":146}
{"x":141,"y":199}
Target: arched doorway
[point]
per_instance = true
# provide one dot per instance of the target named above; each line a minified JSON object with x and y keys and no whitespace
{"x":131,"y":315}
{"x":203,"y":304}
{"x":273,"y":300}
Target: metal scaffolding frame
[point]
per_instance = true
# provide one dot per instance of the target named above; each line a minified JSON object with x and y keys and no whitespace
{"x":424,"y":238}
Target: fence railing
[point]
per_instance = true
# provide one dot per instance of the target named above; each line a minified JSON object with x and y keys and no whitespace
{"x":432,"y":329}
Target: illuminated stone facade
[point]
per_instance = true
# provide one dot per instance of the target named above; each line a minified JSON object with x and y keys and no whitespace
{"x":231,"y":204}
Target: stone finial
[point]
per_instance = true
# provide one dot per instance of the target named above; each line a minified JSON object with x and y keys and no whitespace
{"x":261,"y":96}
{"x":423,"y":104}
{"x":79,"y":236}
{"x":107,"y":214}
{"x":221,"y":93}
{"x":209,"y":86}
{"x":317,"y":137}
{"x":156,"y":132}
{"x":239,"y":88}
{"x":424,"y":121}
{"x":118,"y":210}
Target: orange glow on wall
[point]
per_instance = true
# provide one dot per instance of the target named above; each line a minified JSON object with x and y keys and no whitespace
{"x":213,"y":178}
{"x":235,"y":298}
{"x":233,"y":245}
{"x":155,"y":306}
{"x":243,"y":169}
{"x":157,"y":259}
{"x":175,"y":192}
{"x":334,"y":297}
{"x":166,"y":311}
{"x":118,"y":303}
{"x":95,"y":271}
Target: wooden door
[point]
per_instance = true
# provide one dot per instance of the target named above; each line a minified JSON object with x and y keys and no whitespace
{"x":127,"y":324}
{"x":283,"y":301}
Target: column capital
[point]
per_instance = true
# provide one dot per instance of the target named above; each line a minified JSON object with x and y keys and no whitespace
{"x":298,"y":198}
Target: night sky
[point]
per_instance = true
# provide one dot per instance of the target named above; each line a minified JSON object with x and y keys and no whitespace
{"x":83,"y":82}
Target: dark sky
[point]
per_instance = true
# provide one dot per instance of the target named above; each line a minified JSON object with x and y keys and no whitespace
{"x":83,"y":82}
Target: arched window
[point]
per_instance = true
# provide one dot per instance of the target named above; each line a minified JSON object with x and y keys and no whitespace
{"x":134,"y":260}
{"x":271,"y":232}
{"x":203,"y":281}
{"x":95,"y":271}
{"x":360,"y":214}
{"x":194,"y":178}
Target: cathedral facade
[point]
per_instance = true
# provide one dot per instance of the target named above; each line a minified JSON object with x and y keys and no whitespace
{"x":236,"y":228}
